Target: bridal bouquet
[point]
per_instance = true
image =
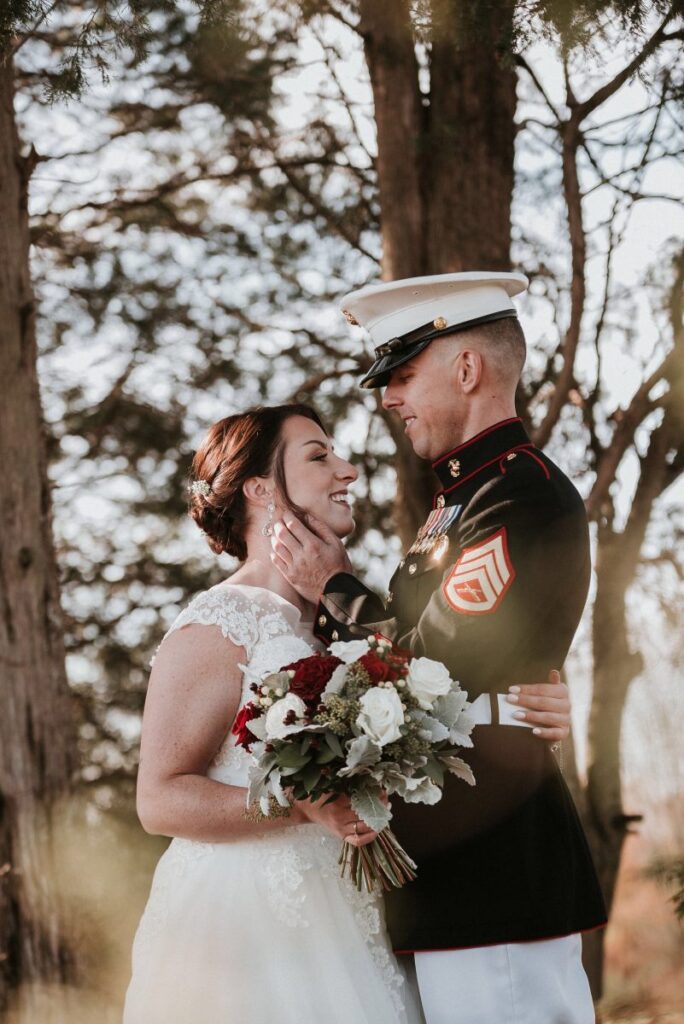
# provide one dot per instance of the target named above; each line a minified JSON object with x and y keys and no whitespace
{"x":363,"y":719}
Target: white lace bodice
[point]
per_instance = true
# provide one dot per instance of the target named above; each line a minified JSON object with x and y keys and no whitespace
{"x":272,"y":633}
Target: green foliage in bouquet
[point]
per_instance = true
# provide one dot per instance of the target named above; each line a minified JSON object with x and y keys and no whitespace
{"x":364,"y":720}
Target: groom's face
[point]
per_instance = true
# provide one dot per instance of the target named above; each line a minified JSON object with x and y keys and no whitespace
{"x":424,"y":392}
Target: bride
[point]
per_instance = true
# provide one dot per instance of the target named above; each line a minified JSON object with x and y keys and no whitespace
{"x":248,"y":921}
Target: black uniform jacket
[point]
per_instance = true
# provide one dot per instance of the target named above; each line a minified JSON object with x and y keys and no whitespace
{"x":505,"y":860}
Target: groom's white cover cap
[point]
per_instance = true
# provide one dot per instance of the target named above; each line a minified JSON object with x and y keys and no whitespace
{"x":403,"y":317}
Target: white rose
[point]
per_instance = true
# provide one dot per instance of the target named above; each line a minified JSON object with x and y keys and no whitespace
{"x":381,"y":715}
{"x":427,"y":680}
{"x":349,"y":650}
{"x":278,"y":712}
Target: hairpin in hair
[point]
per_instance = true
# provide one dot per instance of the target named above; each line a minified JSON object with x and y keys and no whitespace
{"x":201,"y":487}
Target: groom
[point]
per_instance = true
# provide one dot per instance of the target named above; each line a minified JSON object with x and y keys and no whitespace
{"x":493,"y":586}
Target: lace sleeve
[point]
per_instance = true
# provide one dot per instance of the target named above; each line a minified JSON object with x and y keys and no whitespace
{"x":243,"y":618}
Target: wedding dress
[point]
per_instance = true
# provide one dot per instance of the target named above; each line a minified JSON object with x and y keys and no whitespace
{"x":261,"y":930}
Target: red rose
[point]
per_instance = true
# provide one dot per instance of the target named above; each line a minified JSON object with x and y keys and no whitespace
{"x":378,"y":669}
{"x":311,"y":675}
{"x":240,"y":729}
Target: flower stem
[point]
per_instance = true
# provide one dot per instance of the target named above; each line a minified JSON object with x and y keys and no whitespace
{"x":383,"y":862}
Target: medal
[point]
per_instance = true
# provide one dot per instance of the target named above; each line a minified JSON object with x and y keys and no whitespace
{"x":432,"y":536}
{"x":440,"y":547}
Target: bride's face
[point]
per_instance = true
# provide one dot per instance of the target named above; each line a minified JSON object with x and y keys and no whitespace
{"x":315,"y":477}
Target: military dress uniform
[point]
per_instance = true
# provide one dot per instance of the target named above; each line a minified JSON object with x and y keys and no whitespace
{"x":493,"y":586}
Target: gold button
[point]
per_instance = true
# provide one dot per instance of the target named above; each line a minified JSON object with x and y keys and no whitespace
{"x":454,"y":467}
{"x":412,"y":568}
{"x":390,"y":595}
{"x":511,"y":456}
{"x":441,"y":501}
{"x":351,"y":319}
{"x":439,"y":323}
{"x":335,"y":635}
{"x":322,"y":620}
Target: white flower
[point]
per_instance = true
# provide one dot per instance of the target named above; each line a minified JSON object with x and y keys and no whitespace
{"x":349,"y":650}
{"x":381,"y":715}
{"x":428,"y":680}
{"x":276,"y":715}
{"x":336,"y":681}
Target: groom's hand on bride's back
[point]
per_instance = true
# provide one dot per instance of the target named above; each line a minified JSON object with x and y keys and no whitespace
{"x":546,"y":706}
{"x":307,"y":555}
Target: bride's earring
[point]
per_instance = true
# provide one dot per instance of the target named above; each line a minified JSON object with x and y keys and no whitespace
{"x":267,"y":528}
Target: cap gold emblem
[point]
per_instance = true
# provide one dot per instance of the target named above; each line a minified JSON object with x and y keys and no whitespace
{"x":350,"y":318}
{"x":439,"y":323}
{"x":454,"y":467}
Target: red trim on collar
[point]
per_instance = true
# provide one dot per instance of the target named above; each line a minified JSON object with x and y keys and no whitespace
{"x":502,"y":455}
{"x":483,"y":433}
{"x":539,"y":461}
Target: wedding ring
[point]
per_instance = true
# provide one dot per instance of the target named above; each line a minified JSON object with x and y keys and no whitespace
{"x":356,"y":828}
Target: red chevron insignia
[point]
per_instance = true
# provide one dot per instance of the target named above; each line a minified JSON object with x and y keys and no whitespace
{"x":480,"y":578}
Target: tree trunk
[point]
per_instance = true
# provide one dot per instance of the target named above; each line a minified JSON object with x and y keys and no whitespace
{"x":36,"y":735}
{"x":445,"y":171}
{"x":615,"y":667}
{"x":387,"y":32}
{"x":391,"y":57}
{"x":469,"y":147}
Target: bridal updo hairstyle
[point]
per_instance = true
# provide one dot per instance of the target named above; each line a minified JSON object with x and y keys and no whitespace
{"x":235,"y":449}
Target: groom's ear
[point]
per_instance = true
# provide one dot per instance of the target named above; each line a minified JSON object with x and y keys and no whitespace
{"x":258,"y":490}
{"x":468,"y":369}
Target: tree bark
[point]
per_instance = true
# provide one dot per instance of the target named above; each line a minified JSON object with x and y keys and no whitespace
{"x":36,"y":735}
{"x":387,"y":32}
{"x":469,"y":147}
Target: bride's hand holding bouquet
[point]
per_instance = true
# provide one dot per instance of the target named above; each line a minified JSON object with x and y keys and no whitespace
{"x":342,"y":731}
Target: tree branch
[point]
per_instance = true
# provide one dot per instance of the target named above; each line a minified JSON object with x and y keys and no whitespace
{"x":30,"y":32}
{"x":523,"y":63}
{"x":641,"y":404}
{"x":581,"y":110}
{"x":571,"y":139}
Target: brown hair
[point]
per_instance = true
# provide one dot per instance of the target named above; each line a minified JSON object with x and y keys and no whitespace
{"x":235,"y":449}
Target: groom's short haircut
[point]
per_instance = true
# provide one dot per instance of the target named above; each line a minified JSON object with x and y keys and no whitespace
{"x":502,"y":342}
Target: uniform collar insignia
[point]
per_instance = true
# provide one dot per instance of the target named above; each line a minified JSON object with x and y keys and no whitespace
{"x":456,"y":466}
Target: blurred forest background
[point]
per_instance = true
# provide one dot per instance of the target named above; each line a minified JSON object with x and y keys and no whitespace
{"x":198,"y":184}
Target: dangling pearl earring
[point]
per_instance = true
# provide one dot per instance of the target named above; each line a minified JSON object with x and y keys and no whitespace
{"x":267,"y":528}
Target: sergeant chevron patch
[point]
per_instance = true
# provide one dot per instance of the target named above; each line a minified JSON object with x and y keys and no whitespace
{"x":480,"y":578}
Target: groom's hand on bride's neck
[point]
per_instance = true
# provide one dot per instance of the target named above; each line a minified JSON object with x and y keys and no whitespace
{"x":307,"y":555}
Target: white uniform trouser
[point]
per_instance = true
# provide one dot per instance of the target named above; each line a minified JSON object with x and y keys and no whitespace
{"x":518,"y":983}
